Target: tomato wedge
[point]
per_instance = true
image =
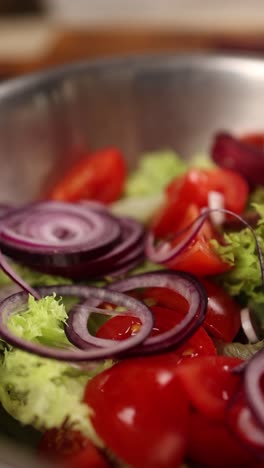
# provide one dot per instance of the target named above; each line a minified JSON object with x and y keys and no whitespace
{"x":121,"y":327}
{"x":209,"y":383}
{"x":141,"y":412}
{"x":194,"y":188}
{"x":212,"y":445}
{"x":99,"y":176}
{"x":223,"y":313}
{"x":244,"y":425}
{"x":70,"y":449}
{"x":199,"y":257}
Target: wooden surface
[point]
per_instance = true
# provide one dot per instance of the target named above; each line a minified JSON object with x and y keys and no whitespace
{"x":36,"y":46}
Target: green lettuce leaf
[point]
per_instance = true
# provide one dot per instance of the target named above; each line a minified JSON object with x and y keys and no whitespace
{"x":239,"y":350}
{"x":154,"y":172}
{"x":141,"y":208}
{"x":38,"y":391}
{"x":34,"y":278}
{"x":244,"y":279}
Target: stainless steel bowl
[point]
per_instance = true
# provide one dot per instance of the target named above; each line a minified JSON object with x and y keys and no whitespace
{"x":138,"y":104}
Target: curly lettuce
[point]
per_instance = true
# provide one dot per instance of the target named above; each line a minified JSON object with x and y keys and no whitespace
{"x":244,"y":278}
{"x":38,"y":391}
{"x":154,"y":172}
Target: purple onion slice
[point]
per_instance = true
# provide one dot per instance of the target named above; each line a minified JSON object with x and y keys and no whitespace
{"x":18,"y":302}
{"x":254,"y":386}
{"x":184,"y":284}
{"x":57,"y":233}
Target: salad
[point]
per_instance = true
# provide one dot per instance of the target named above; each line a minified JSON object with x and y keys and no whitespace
{"x":131,"y":313}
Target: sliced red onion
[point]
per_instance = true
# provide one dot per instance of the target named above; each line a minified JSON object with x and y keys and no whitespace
{"x":72,"y":240}
{"x":232,"y":153}
{"x":182,"y":283}
{"x":130,"y":246}
{"x":5,"y":208}
{"x":11,"y":273}
{"x":216,"y":200}
{"x":163,"y":252}
{"x":46,"y":231}
{"x":254,"y":386}
{"x":247,"y":325}
{"x":18,"y":302}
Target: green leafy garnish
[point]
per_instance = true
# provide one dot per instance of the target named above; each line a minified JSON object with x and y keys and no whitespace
{"x":38,"y":391}
{"x":154,"y":172}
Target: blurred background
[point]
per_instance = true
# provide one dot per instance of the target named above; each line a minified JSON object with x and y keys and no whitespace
{"x":35,"y":34}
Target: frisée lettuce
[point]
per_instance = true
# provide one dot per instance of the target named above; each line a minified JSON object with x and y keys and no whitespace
{"x":244,"y":279}
{"x":42,"y":392}
{"x":154,"y":172}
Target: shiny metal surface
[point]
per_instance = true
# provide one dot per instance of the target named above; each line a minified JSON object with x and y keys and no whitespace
{"x":138,"y":104}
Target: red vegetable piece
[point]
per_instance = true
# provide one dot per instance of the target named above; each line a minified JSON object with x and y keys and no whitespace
{"x":223,"y":313}
{"x":211,"y":445}
{"x":244,"y":425}
{"x":99,"y":176}
{"x":209,"y":383}
{"x":199,"y":257}
{"x":241,"y":156}
{"x":121,"y":327}
{"x":141,"y":412}
{"x":193,"y":189}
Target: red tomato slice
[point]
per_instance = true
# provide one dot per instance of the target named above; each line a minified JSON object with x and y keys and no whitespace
{"x":70,"y":449}
{"x":141,"y":412}
{"x":223,"y":313}
{"x":165,"y":297}
{"x":193,"y":188}
{"x":121,"y":327}
{"x":209,"y":383}
{"x":211,"y":445}
{"x":99,"y":176}
{"x":244,"y":425}
{"x":199,"y":257}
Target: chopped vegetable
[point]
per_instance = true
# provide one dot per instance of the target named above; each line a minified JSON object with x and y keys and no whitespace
{"x":155,"y":171}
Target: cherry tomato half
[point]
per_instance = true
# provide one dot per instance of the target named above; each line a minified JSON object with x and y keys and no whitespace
{"x":199,"y":257}
{"x":212,"y":445}
{"x":194,"y":188}
{"x":121,"y":327}
{"x":243,"y":424}
{"x":141,"y":412}
{"x":209,"y":383}
{"x":99,"y":176}
{"x":223,"y":313}
{"x":70,"y":449}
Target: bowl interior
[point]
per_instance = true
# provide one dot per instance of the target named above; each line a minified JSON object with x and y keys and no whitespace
{"x":136,"y":104}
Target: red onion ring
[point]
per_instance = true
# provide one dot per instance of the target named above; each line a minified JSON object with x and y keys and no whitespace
{"x":129,"y":249}
{"x":253,"y":381}
{"x":183,"y":283}
{"x":71,"y":240}
{"x":8,"y":270}
{"x":46,"y":231}
{"x":17,"y":302}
